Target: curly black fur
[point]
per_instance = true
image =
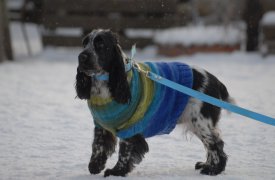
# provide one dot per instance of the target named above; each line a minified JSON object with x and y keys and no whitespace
{"x":118,"y":84}
{"x":131,"y":152}
{"x":83,"y":85}
{"x":103,"y":146}
{"x":212,"y":168}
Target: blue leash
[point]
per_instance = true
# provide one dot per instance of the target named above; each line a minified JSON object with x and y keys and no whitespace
{"x":209,"y":99}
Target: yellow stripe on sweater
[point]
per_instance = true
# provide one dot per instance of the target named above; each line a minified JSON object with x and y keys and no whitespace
{"x":145,"y":101}
{"x":99,"y":101}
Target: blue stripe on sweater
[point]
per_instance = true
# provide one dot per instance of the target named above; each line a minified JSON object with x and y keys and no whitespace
{"x":167,"y":104}
{"x":140,"y":126}
{"x":114,"y":113}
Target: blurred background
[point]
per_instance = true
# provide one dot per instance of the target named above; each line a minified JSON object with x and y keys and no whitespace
{"x":46,"y":132}
{"x":175,"y":27}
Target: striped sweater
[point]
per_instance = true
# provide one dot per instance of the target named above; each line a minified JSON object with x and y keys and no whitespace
{"x":153,"y":110}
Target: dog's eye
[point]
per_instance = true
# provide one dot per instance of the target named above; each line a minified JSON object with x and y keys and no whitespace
{"x":100,"y":45}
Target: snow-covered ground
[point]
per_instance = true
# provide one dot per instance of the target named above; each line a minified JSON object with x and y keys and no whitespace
{"x":269,"y":18}
{"x":45,"y":133}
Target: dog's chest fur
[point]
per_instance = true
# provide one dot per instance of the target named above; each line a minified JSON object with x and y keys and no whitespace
{"x":100,"y":89}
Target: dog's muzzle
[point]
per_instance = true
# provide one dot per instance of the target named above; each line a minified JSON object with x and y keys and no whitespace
{"x":86,"y":64}
{"x":82,"y":58}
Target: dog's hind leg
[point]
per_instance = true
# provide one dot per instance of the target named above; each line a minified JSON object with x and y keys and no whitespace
{"x":202,"y":118}
{"x":205,"y":129}
{"x":103,"y":146}
{"x":131,"y":152}
{"x":216,"y":158}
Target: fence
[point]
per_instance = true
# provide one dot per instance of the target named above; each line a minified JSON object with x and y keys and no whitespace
{"x":116,"y":15}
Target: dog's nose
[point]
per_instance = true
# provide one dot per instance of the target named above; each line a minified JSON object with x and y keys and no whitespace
{"x":82,"y":58}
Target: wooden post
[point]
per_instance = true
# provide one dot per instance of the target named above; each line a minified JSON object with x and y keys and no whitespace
{"x":24,"y":30}
{"x":6,"y":30}
{"x":1,"y":33}
{"x":252,"y":15}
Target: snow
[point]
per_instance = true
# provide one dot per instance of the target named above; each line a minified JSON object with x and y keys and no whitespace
{"x":232,"y":34}
{"x":15,"y":4}
{"x":65,"y":32}
{"x":200,"y":35}
{"x":269,"y":18}
{"x":46,"y":133}
{"x":136,"y":33}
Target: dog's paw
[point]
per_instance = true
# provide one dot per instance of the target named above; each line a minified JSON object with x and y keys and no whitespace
{"x":210,"y":170}
{"x":113,"y":172}
{"x":199,"y":165}
{"x":206,"y":169}
{"x":95,"y":168}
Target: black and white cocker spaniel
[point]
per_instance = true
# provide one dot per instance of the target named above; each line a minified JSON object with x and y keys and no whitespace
{"x":102,"y":78}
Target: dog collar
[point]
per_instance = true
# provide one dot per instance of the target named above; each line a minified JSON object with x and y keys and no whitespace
{"x":128,"y":66}
{"x":101,"y":77}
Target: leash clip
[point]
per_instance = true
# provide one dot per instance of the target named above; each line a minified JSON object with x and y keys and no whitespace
{"x":137,"y":67}
{"x":157,"y":77}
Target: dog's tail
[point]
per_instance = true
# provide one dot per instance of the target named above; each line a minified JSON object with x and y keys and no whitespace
{"x":225,"y":95}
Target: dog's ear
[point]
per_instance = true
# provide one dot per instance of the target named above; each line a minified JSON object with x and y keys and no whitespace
{"x":85,"y":40}
{"x":118,"y":84}
{"x":83,"y":85}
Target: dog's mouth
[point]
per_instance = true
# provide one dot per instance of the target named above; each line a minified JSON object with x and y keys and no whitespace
{"x":89,"y":72}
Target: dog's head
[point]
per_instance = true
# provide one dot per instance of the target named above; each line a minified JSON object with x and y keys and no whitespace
{"x":102,"y":55}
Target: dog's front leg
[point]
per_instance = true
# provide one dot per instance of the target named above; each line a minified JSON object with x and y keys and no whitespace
{"x":131,"y":152}
{"x":103,"y":146}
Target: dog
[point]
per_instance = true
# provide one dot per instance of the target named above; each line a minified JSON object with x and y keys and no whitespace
{"x":102,"y":78}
